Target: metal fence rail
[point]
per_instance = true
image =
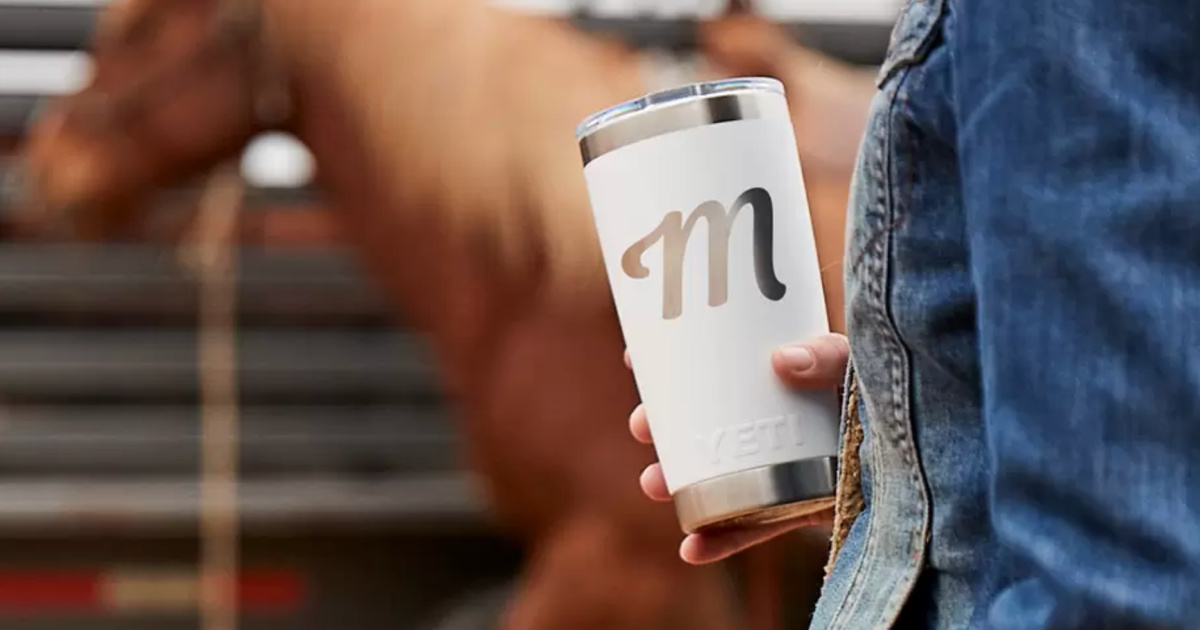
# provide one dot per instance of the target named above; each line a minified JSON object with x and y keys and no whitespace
{"x":15,"y":111}
{"x":124,"y":440}
{"x":267,"y":507}
{"x":302,"y":365}
{"x":50,"y":25}
{"x":148,"y":281}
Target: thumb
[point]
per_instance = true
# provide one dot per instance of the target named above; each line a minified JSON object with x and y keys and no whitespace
{"x":814,"y":364}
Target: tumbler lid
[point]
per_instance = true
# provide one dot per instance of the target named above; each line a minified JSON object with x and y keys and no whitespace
{"x":671,"y":96}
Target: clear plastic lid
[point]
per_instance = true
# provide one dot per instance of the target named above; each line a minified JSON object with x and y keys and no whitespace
{"x":670,"y":96}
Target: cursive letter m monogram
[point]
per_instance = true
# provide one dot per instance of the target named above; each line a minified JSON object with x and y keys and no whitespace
{"x":675,"y":233}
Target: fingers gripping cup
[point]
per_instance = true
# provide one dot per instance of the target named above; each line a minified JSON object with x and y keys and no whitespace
{"x":700,"y":207}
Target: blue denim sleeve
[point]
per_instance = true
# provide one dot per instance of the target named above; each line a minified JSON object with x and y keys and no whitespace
{"x":1079,"y":144}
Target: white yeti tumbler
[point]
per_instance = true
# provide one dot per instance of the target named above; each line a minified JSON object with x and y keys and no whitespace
{"x":699,"y":203}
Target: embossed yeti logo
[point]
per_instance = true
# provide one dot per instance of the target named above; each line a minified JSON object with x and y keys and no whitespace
{"x":674,"y":233}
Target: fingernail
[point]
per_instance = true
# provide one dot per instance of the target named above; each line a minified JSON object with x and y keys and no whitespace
{"x":644,"y":476}
{"x":689,"y":548}
{"x":797,"y":358}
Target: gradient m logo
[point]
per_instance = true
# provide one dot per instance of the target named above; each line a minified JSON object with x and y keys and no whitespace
{"x":674,"y":233}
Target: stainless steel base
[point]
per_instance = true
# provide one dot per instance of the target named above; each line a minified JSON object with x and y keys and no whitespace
{"x":758,"y":496}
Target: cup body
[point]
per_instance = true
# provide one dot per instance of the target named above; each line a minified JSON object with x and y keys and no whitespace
{"x":699,"y":203}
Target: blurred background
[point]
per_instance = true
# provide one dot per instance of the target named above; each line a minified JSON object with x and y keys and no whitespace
{"x":355,"y":511}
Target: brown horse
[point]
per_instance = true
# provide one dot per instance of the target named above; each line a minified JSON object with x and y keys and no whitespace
{"x":442,"y":134}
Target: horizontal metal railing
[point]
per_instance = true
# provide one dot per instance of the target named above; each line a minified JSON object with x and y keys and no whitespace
{"x":122,"y":440}
{"x":270,"y":507}
{"x":48,"y":25}
{"x":120,"y":364}
{"x":148,"y":282}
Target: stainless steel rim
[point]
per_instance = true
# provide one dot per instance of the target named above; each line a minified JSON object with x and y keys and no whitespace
{"x":730,"y":497}
{"x":676,"y":116}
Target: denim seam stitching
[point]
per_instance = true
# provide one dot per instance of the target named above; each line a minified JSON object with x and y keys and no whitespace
{"x":877,"y":285}
{"x":902,"y":375}
{"x":869,"y":543}
{"x":872,"y":284}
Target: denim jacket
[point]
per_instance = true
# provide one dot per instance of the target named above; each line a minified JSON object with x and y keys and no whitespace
{"x":1023,"y":302}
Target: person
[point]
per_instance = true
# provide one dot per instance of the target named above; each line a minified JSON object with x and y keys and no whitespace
{"x":1022,"y":282}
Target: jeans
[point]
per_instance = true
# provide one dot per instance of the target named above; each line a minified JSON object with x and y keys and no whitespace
{"x":1023,"y":286}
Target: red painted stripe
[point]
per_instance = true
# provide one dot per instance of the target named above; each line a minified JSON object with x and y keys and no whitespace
{"x":271,"y":591}
{"x":49,"y":591}
{"x":74,"y":592}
